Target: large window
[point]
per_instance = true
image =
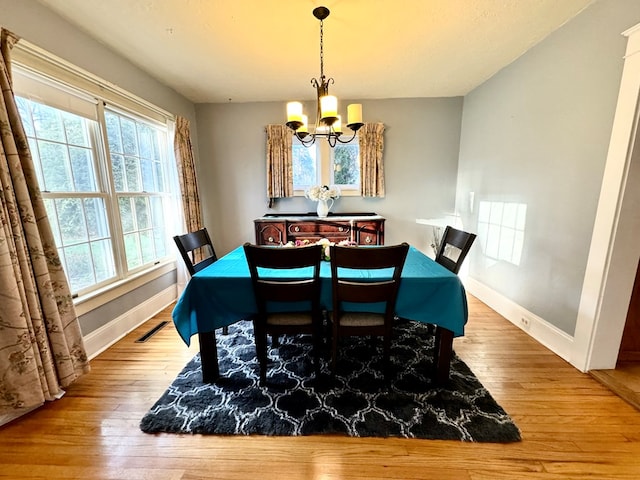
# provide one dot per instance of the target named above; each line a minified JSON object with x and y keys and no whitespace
{"x":103,"y":175}
{"x":321,"y":164}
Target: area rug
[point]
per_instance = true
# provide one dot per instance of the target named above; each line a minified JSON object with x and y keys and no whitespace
{"x":357,"y":402}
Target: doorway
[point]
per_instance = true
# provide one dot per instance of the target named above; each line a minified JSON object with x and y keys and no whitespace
{"x":624,"y":379}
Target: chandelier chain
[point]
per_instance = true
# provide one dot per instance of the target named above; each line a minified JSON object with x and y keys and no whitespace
{"x":321,"y":52}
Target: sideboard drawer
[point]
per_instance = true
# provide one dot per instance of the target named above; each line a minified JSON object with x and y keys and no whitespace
{"x":320,"y":228}
{"x":369,"y":233}
{"x":270,"y":233}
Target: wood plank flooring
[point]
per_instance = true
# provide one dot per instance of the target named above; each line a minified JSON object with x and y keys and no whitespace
{"x":572,"y":426}
{"x":624,"y":380}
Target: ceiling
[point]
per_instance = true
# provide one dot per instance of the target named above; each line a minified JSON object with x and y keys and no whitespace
{"x":268,"y":50}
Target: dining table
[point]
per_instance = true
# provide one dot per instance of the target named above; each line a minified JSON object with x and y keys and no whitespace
{"x":222,"y":294}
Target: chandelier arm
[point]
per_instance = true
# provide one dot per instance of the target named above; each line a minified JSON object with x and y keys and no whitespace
{"x":307,"y":140}
{"x":346,"y":141}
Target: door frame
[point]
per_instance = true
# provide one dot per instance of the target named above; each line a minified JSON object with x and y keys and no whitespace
{"x":615,"y":246}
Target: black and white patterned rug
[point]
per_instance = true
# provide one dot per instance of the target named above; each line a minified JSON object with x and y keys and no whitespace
{"x":357,"y":403}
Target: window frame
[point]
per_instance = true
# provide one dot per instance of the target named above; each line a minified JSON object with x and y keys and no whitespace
{"x":325,"y":165}
{"x":43,"y":68}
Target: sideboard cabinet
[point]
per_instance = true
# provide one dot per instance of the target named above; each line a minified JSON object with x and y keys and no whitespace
{"x":361,"y":228}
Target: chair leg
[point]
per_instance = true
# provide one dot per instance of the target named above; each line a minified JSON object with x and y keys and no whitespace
{"x":225,"y":330}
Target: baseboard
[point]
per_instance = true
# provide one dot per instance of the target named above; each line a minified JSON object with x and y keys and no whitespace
{"x":99,"y":340}
{"x":550,"y":336}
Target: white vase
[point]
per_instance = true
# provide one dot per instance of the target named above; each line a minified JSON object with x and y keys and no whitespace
{"x":323,"y":207}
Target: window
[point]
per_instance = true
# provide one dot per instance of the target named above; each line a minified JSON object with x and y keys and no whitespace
{"x":103,"y":176}
{"x":320,"y":164}
{"x":136,"y":150}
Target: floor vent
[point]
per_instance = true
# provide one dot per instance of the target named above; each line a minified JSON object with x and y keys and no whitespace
{"x":152,"y":332}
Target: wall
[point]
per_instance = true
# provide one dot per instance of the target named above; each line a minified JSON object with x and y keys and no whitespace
{"x":36,"y":24}
{"x":421,"y":148}
{"x":537,"y":133}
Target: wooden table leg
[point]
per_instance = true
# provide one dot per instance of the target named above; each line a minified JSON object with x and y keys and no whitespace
{"x":443,"y":351}
{"x":209,"y":357}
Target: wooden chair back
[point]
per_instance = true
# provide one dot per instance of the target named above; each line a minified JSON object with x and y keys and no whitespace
{"x":190,"y":245}
{"x":305,"y":288}
{"x":454,"y":247}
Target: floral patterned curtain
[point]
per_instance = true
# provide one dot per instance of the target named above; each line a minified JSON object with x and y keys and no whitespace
{"x":187,"y":176}
{"x":41,"y":345}
{"x":279,"y":163}
{"x":371,"y":164}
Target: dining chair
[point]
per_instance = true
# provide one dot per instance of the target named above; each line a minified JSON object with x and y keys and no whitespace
{"x":286,"y":285}
{"x":454,"y":246}
{"x":196,"y":249}
{"x":365,"y":276}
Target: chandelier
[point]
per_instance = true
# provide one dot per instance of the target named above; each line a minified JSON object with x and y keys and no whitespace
{"x":328,"y":123}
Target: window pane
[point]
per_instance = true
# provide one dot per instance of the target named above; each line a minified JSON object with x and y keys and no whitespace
{"x":75,"y":130}
{"x":346,"y":164}
{"x":132,"y":250}
{"x":146,"y":168}
{"x":126,"y":214}
{"x":25,"y":114}
{"x":79,"y":266}
{"x":129,"y":137}
{"x":147,"y":245}
{"x":305,"y":170}
{"x":71,"y":219}
{"x":55,"y":167}
{"x":132,"y":171}
{"x":47,"y":122}
{"x":97,"y":224}
{"x":142,"y":213}
{"x":117,"y":167}
{"x":157,"y":210}
{"x":83,"y":171}
{"x":113,"y":133}
{"x":160,"y":242}
{"x":102,"y":252}
{"x":146,"y":141}
{"x":159,"y":180}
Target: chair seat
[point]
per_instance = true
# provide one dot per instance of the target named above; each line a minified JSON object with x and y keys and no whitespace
{"x":361,"y":319}
{"x":292,"y":318}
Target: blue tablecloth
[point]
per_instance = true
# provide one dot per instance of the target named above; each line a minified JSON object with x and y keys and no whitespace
{"x":222,"y":294}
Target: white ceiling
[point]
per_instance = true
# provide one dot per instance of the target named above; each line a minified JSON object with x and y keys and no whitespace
{"x":268,"y":50}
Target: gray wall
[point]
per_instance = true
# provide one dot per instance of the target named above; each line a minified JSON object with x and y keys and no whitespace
{"x":537,"y":133}
{"x":32,"y":22}
{"x":422,"y":138}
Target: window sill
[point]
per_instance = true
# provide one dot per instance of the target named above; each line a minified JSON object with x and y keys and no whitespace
{"x":97,"y":298}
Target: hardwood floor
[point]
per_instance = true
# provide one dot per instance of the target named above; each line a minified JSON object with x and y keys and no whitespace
{"x":624,"y":380}
{"x":572,"y":426}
